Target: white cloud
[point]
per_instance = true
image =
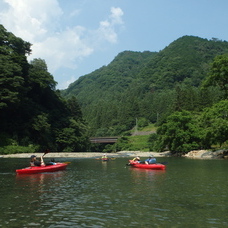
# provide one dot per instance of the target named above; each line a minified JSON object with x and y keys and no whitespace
{"x":116,"y":15}
{"x":75,"y":13}
{"x":107,"y":27}
{"x":30,"y":20}
{"x":39,"y":22}
{"x":63,"y":49}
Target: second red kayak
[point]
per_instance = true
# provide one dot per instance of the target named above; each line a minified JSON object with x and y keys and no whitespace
{"x":156,"y":166}
{"x":42,"y":169}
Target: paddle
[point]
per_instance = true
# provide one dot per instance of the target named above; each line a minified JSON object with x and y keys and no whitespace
{"x":67,"y":162}
{"x":49,"y":163}
{"x":42,"y":161}
{"x":164,"y":163}
{"x":46,"y":152}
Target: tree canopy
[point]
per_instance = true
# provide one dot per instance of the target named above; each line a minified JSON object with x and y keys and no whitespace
{"x":32,"y":112}
{"x":218,"y":74}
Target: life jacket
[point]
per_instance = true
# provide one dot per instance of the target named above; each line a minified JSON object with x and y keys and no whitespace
{"x":35,"y":163}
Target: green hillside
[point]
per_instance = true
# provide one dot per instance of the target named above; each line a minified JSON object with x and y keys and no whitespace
{"x":184,"y":60}
{"x":109,"y":81}
{"x":148,"y":85}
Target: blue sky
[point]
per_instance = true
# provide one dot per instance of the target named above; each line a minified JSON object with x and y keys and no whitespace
{"x":76,"y":37}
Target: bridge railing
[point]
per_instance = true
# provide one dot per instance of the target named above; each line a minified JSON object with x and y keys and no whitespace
{"x":103,"y":139}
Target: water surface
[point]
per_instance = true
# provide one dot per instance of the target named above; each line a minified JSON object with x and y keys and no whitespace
{"x":92,"y":193}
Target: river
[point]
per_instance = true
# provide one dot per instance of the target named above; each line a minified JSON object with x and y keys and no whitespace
{"x":91,"y":193}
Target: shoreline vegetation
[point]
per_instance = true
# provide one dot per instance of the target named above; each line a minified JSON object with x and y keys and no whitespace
{"x":198,"y":154}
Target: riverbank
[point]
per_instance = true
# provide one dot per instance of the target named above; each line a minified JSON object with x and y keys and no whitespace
{"x":195,"y":154}
{"x":88,"y":154}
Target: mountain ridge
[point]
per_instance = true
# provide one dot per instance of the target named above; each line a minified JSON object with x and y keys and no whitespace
{"x":141,"y":84}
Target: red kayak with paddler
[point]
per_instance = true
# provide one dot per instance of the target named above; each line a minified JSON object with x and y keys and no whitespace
{"x":39,"y":166}
{"x":42,"y":169}
{"x":156,"y":166}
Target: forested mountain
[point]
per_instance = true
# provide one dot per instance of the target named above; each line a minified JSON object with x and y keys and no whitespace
{"x":148,"y":86}
{"x":33,"y":114}
{"x":183,"y":89}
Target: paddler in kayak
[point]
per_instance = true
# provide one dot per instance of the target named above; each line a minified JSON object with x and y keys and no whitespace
{"x":104,"y":157}
{"x":136,"y":159}
{"x":151,"y":160}
{"x":35,"y":162}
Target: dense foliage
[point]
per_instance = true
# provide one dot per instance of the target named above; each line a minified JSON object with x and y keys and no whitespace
{"x":33,"y":114}
{"x":219,"y":74}
{"x":185,"y":131}
{"x":152,"y":86}
{"x":182,"y":90}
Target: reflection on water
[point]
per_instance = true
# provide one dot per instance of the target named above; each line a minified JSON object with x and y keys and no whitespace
{"x":147,"y":173}
{"x":39,"y":181}
{"x":91,"y":193}
{"x":104,"y":164}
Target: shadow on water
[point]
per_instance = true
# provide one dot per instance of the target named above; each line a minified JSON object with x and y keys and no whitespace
{"x":92,"y":193}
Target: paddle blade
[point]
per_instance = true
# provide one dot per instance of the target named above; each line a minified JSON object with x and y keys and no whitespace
{"x":67,"y":162}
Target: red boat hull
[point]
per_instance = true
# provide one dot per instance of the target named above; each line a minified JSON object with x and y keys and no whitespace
{"x":42,"y":169}
{"x":156,"y":166}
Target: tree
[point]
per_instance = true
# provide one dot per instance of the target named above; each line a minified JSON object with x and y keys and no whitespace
{"x":74,"y":108}
{"x":214,"y":122}
{"x":42,"y":131}
{"x":13,"y":67}
{"x":39,"y":75}
{"x":73,"y":138}
{"x":179,"y":133}
{"x":32,"y":112}
{"x":11,"y":81}
{"x":218,"y":75}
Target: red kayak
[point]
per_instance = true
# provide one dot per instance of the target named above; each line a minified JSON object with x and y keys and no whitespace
{"x":156,"y":166}
{"x":42,"y":169}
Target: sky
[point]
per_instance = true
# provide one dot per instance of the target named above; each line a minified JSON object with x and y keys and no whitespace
{"x":76,"y":37}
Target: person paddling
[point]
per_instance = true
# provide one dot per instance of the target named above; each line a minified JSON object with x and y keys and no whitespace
{"x":35,"y":162}
{"x":136,"y":159}
{"x":150,"y":160}
{"x":104,"y":157}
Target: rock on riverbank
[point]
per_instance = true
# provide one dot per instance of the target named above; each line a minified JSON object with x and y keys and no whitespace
{"x":205,"y":154}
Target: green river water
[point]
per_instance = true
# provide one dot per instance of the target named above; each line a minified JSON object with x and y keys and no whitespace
{"x":92,"y":193}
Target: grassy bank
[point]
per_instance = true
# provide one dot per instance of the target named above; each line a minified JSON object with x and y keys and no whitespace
{"x":138,"y":141}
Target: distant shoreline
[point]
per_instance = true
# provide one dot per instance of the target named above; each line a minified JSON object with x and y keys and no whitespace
{"x":87,"y":154}
{"x":195,"y":154}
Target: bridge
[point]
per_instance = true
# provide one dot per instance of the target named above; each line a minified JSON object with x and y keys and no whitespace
{"x":103,"y":139}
